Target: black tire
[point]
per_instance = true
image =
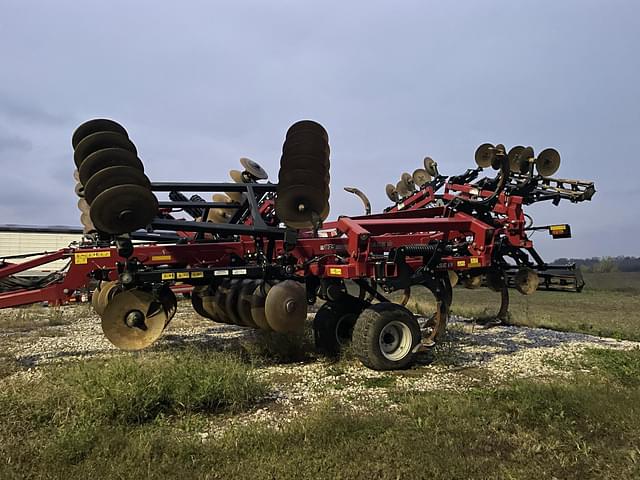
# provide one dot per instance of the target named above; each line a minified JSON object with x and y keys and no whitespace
{"x":333,"y":325}
{"x":385,"y":337}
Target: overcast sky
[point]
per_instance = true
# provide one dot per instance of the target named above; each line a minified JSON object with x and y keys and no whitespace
{"x":200,"y":84}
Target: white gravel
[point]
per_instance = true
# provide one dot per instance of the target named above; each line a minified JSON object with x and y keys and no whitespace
{"x":467,"y":357}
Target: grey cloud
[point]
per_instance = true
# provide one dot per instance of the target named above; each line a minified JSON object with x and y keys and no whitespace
{"x":14,"y":109}
{"x":12,"y":143}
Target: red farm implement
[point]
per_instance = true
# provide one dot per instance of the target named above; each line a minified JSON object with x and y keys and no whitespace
{"x":259,"y":253}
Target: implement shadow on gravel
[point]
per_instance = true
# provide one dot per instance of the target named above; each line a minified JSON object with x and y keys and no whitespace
{"x":468,"y":343}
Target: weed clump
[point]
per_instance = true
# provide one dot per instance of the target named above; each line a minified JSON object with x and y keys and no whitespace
{"x":135,"y":390}
{"x":621,"y":366}
{"x":273,"y":347}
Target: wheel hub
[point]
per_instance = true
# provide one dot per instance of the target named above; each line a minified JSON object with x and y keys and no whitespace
{"x":395,"y":340}
{"x":134,"y":319}
{"x":344,"y":329}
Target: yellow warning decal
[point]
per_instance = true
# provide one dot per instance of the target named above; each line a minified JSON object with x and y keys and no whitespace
{"x":335,"y":271}
{"x":182,"y":275}
{"x":197,"y":274}
{"x":560,"y":231}
{"x":161,"y":258}
{"x":474,"y":262}
{"x":168,"y":276}
{"x":82,"y":258}
{"x":460,"y":263}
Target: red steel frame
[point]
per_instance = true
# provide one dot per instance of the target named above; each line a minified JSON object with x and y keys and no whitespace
{"x":345,"y":247}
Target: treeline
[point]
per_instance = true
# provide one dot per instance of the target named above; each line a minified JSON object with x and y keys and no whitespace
{"x":603,"y":264}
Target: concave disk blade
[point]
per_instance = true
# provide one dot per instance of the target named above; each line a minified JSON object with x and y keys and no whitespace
{"x":421,"y":177}
{"x":286,"y":307}
{"x":86,"y":222}
{"x":484,"y":155}
{"x":105,"y":158}
{"x":215,"y":310}
{"x":526,"y":281}
{"x":514,"y":158}
{"x":244,"y":303}
{"x":392,"y":193}
{"x":133,"y":335}
{"x":221,"y":198}
{"x":237,"y":197}
{"x":254,"y":169}
{"x":231,"y":302}
{"x":522,"y":160}
{"x":402,"y":189}
{"x":107,"y":291}
{"x":94,"y":126}
{"x":217,"y":215}
{"x":257,"y":307}
{"x":123,"y":209}
{"x":304,"y":162}
{"x":548,"y":162}
{"x":473,"y":281}
{"x":197,"y":299}
{"x":308,"y":126}
{"x":220,"y":300}
{"x":99,"y":141}
{"x":407,"y":179}
{"x":296,"y":203}
{"x":79,"y":190}
{"x":301,"y":176}
{"x":236,"y":176}
{"x":306,"y":145}
{"x":430,"y":166}
{"x":111,"y":177}
{"x":306,"y":224}
{"x":83,"y":206}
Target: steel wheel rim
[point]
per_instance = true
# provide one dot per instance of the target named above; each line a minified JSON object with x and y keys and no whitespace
{"x":395,"y":341}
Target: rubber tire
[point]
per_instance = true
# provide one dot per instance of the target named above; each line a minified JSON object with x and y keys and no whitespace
{"x":367,"y":330}
{"x":328,"y":318}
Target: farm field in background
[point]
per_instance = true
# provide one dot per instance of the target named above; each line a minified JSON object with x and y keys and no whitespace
{"x":608,"y":306}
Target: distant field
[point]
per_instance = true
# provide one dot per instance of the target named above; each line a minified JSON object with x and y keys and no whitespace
{"x":608,"y":306}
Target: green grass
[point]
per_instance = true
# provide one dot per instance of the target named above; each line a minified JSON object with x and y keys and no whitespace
{"x":583,"y":428}
{"x":141,"y":415}
{"x":8,"y":365}
{"x":621,"y":366}
{"x":608,"y":306}
{"x":379,"y":382}
{"x":135,"y":389}
{"x":624,"y":282}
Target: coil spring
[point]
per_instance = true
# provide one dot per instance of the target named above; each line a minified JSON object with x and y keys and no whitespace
{"x":180,"y":197}
{"x":420,"y":250}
